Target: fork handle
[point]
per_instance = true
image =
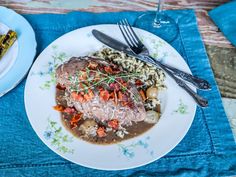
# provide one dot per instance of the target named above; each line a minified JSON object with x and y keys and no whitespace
{"x":199,"y":100}
{"x":196,"y":81}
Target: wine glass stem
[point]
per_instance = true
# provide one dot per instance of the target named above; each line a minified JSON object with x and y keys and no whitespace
{"x":157,"y":20}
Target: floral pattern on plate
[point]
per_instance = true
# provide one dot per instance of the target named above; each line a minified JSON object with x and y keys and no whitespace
{"x":50,"y":69}
{"x":57,"y":137}
{"x":129,"y":150}
{"x":182,"y":108}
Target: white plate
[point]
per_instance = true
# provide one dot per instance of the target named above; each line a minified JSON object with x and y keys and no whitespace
{"x":18,"y":59}
{"x":177,"y":113}
{"x":9,"y":58}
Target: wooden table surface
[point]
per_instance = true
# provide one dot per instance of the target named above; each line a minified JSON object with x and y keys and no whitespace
{"x":221,"y":53}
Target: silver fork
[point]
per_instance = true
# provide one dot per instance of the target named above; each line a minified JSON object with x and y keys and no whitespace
{"x":140,"y":50}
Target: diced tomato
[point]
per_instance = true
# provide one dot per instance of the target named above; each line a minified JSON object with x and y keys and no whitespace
{"x":112,"y":95}
{"x":125,"y":85}
{"x":89,"y":95}
{"x":60,"y":87}
{"x":69,"y":110}
{"x":101,"y":132}
{"x":115,"y":86}
{"x":120,"y":80}
{"x":114,"y":123}
{"x":108,"y":69}
{"x":104,"y":95}
{"x":138,"y":82}
{"x":130,"y":104}
{"x":78,"y":97}
{"x":100,"y":88}
{"x":59,"y":108}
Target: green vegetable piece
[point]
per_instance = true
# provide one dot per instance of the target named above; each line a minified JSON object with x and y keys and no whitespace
{"x":6,"y":41}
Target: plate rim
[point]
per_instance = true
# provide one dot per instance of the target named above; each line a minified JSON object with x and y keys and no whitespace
{"x":18,"y":78}
{"x":98,"y":168}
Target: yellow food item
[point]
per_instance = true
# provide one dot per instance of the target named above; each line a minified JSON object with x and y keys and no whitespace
{"x":6,"y":41}
{"x":152,"y":92}
{"x":152,"y":117}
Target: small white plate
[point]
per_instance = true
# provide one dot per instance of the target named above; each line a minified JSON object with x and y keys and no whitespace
{"x":18,"y":59}
{"x":178,"y":108}
{"x":9,"y":58}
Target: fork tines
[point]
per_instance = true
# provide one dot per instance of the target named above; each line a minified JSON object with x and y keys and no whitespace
{"x":130,"y":36}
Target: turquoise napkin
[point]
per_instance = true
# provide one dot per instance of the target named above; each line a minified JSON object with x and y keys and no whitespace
{"x":208,"y":149}
{"x":224,"y":17}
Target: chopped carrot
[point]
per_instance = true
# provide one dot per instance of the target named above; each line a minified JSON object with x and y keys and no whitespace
{"x":75,"y":119}
{"x":114,"y":123}
{"x":104,"y":95}
{"x":142,"y":94}
{"x":101,"y":132}
{"x":59,"y":108}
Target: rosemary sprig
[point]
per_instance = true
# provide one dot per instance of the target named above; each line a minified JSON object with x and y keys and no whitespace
{"x":91,"y":83}
{"x":131,"y":93}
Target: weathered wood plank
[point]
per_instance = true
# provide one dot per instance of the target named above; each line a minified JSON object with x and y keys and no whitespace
{"x":209,"y":31}
{"x":223,"y":62}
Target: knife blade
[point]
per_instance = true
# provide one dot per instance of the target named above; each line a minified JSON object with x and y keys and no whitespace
{"x":111,"y":42}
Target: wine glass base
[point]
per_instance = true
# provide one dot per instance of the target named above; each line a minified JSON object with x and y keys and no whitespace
{"x":160,"y":25}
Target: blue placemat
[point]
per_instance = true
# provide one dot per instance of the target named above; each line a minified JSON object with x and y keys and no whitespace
{"x":224,"y":17}
{"x":207,"y":150}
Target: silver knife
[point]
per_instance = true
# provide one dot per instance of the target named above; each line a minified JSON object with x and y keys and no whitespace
{"x":111,"y":42}
{"x":117,"y":45}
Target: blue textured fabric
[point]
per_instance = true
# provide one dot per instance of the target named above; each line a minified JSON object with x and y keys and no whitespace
{"x":208,"y":149}
{"x":224,"y":17}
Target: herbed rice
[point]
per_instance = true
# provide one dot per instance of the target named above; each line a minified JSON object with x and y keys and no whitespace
{"x":149,"y":74}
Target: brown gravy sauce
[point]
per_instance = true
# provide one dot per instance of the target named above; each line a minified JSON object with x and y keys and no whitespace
{"x":134,"y":130}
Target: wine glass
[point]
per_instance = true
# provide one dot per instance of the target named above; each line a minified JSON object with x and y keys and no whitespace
{"x":158,"y":23}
